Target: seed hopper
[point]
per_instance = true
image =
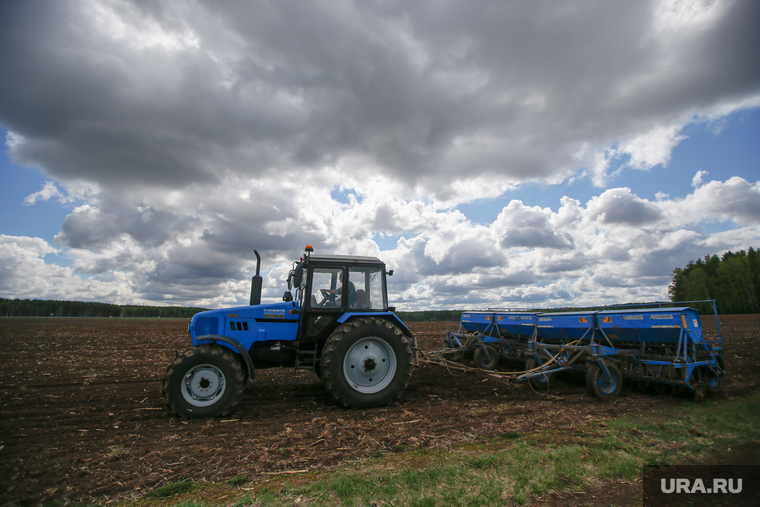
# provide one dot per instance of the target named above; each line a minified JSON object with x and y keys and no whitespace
{"x":655,"y":344}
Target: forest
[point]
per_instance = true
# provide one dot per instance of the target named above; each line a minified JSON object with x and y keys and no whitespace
{"x":45,"y":308}
{"x":731,"y":279}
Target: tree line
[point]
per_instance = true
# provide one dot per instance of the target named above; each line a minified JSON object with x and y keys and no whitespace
{"x":430,"y":316}
{"x":46,"y":308}
{"x":731,"y":280}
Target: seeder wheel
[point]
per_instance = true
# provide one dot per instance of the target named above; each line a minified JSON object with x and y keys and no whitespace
{"x":541,"y":382}
{"x":484,"y":362}
{"x":602,"y":387}
{"x":699,"y":391}
{"x":713,"y":382}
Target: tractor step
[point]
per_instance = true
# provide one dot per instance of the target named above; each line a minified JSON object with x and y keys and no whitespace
{"x":306,"y":359}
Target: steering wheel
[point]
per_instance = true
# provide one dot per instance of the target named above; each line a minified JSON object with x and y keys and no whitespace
{"x":327,"y":297}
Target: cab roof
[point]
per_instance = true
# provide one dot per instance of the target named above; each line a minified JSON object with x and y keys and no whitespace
{"x":345,"y":259}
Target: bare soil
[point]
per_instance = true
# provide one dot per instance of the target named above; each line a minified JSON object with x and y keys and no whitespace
{"x":82,"y":418}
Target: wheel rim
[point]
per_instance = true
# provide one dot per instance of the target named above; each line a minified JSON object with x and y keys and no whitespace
{"x":540,"y":381}
{"x":607,"y":386}
{"x":489,"y":362}
{"x":370,"y":365}
{"x":203,"y":385}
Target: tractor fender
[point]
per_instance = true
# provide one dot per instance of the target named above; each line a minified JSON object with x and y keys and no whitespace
{"x":234,"y":344}
{"x":389,"y":316}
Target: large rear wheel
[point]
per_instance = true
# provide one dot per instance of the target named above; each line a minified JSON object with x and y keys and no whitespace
{"x":366,"y":363}
{"x":204,"y":381}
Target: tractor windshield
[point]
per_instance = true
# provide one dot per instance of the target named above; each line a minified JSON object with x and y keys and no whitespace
{"x":326,"y":287}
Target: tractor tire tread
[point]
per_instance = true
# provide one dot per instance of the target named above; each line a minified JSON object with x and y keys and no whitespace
{"x":330,"y":355}
{"x":172,"y":397}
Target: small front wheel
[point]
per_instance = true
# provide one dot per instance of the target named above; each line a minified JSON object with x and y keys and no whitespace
{"x":204,"y":381}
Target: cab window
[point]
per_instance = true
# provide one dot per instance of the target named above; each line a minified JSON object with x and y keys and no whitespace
{"x":367,"y":285}
{"x":326,"y":288}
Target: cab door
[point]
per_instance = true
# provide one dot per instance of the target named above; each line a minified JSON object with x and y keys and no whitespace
{"x":324,"y":302}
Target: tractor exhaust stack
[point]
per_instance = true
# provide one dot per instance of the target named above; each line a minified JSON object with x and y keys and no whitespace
{"x":256,"y":282}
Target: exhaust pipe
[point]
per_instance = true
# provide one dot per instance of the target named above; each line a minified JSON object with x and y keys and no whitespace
{"x":256,"y":282}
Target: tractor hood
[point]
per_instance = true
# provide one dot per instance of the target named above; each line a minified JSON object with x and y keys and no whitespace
{"x":245,"y":324}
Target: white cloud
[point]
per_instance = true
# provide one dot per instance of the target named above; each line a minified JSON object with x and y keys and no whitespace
{"x":736,"y":199}
{"x":48,"y":191}
{"x":520,"y":226}
{"x":620,"y":206}
{"x":24,"y":273}
{"x":622,"y":246}
{"x":652,"y":148}
{"x":697,"y":180}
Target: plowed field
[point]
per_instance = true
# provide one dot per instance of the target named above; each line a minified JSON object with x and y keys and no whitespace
{"x":82,"y":417}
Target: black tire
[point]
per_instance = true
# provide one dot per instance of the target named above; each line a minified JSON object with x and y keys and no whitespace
{"x":366,"y":363}
{"x":204,"y":381}
{"x":486,"y":363}
{"x":455,"y":356}
{"x":589,"y":379}
{"x":469,"y":353}
{"x":541,"y":382}
{"x":699,"y":391}
{"x":599,"y":385}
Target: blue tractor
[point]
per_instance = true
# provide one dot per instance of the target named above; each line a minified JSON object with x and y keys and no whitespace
{"x":337,"y":324}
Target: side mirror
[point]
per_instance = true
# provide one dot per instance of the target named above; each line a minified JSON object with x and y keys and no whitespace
{"x":287,"y":297}
{"x":298,"y":275}
{"x":390,"y":273}
{"x":295,"y":276}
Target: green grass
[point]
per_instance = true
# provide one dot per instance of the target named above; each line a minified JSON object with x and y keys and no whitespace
{"x":508,"y":470}
{"x":237,"y":481}
{"x":173,"y":488}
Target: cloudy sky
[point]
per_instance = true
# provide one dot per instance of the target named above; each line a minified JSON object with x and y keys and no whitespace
{"x":493,"y":153}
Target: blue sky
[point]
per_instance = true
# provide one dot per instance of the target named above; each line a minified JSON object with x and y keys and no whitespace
{"x":43,"y":219}
{"x":493,"y":154}
{"x":730,"y":148}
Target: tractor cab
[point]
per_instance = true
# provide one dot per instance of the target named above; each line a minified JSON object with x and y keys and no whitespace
{"x":329,"y":289}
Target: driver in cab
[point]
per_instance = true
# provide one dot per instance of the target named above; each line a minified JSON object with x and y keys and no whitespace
{"x":335,"y":294}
